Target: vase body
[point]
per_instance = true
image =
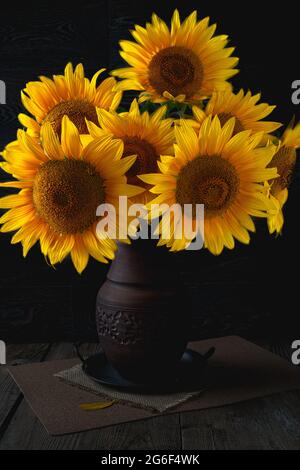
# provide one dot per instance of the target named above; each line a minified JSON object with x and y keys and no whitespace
{"x":142,"y":320}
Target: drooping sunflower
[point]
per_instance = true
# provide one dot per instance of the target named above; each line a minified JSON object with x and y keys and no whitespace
{"x":224,"y":172}
{"x":284,"y":160}
{"x":244,"y":107}
{"x":144,"y":135}
{"x":71,"y":94}
{"x":61,"y":185}
{"x":185,"y":63}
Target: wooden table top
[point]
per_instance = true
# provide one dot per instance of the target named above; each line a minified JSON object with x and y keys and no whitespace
{"x":265,"y":423}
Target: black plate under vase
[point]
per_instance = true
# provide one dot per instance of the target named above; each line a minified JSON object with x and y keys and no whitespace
{"x":188,"y":375}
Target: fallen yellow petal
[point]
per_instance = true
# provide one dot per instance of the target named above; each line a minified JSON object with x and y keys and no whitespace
{"x":100,"y":405}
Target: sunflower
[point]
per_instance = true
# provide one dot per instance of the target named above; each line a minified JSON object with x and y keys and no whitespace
{"x":61,"y":185}
{"x":244,"y":107}
{"x":284,"y":160}
{"x":221,"y":170}
{"x":71,"y":94}
{"x":144,"y":135}
{"x":184,"y":63}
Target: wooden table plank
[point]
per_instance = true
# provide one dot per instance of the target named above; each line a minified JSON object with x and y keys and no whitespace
{"x":24,"y":425}
{"x":10,"y":395}
{"x":261,"y":424}
{"x":26,"y":432}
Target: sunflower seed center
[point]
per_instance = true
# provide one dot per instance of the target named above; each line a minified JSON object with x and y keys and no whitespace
{"x":66,"y":194}
{"x":224,"y":117}
{"x":208,"y":180}
{"x":177,"y":70}
{"x":284,"y":160}
{"x":146,"y":161}
{"x":76,"y":110}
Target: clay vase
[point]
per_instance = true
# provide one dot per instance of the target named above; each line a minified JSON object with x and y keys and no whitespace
{"x":141,"y":313}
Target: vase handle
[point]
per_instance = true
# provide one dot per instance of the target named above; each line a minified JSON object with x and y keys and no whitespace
{"x":76,"y":347}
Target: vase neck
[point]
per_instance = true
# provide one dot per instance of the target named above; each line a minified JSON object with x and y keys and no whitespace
{"x":143,"y":262}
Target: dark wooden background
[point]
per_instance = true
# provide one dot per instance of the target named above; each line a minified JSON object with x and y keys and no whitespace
{"x":252,"y":291}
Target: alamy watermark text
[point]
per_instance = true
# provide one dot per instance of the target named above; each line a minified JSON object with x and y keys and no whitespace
{"x":2,"y":92}
{"x":2,"y":353}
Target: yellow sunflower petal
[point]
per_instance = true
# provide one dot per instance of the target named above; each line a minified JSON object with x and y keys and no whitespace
{"x":51,"y":143}
{"x":70,"y":141}
{"x":79,"y":255}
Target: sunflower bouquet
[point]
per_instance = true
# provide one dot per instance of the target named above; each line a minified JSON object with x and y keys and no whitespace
{"x":187,"y":138}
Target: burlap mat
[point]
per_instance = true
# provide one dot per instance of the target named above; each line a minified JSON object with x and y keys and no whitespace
{"x":238,"y":371}
{"x":159,"y":402}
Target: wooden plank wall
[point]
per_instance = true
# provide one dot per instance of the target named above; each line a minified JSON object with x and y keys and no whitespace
{"x":253,"y":290}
